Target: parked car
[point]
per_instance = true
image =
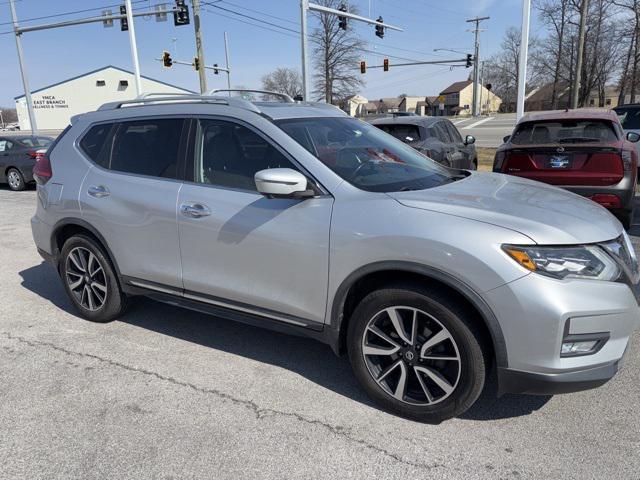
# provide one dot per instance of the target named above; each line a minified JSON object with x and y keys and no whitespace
{"x":297,"y":217}
{"x":437,"y":138}
{"x":584,"y":151}
{"x":629,"y":116}
{"x":17,"y":159}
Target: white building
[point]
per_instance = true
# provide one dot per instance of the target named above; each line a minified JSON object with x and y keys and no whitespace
{"x":55,"y":104}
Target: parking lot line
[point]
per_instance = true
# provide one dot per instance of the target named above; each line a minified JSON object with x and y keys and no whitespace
{"x":480,"y":122}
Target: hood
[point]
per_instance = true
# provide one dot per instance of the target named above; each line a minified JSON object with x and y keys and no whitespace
{"x":548,"y":215}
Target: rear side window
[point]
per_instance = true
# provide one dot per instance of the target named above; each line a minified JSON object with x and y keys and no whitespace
{"x":147,"y":147}
{"x":564,"y":131}
{"x":93,"y":144}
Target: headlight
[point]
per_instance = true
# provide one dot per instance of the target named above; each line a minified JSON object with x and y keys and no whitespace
{"x":587,"y":262}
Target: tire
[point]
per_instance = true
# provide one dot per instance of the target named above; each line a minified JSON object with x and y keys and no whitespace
{"x":15,"y":180}
{"x":425,"y":397}
{"x":94,"y":291}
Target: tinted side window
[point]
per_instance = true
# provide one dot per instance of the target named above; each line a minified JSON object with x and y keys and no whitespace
{"x":453,"y":132}
{"x":442,"y":133}
{"x":94,"y":144}
{"x":147,"y":147}
{"x":229,"y":155}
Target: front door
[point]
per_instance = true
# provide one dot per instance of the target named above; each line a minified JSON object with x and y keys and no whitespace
{"x":242,"y":250}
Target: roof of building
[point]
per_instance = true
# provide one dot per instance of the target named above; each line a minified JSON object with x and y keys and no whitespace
{"x":581,"y":113}
{"x":99,"y":70}
{"x":456,"y":87}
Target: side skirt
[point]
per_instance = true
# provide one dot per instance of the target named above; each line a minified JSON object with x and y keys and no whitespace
{"x":226,"y":309}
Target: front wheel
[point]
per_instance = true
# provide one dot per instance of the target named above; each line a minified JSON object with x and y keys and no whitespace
{"x":15,"y":180}
{"x":416,"y":353}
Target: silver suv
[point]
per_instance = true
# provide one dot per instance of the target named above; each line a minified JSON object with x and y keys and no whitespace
{"x":297,"y":217}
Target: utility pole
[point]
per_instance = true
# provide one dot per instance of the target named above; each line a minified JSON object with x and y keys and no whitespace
{"x":584,"y":10}
{"x":476,"y":65}
{"x":226,"y":55}
{"x":199,"y":48}
{"x":23,"y":71}
{"x":522,"y":60}
{"x":134,"y":47}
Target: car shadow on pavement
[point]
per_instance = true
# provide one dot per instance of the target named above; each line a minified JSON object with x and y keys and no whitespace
{"x":306,"y":357}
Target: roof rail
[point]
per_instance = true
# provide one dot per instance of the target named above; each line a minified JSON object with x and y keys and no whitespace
{"x":153,"y":97}
{"x":286,"y":98}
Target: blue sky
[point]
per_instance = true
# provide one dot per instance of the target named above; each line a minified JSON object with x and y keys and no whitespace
{"x":54,"y":55}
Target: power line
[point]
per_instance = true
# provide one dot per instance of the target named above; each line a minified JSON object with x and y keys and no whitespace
{"x":253,"y":24}
{"x":75,"y":12}
{"x":215,"y":5}
{"x":259,"y":12}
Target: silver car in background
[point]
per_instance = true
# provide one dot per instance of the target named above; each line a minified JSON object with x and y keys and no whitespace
{"x":296,"y":217}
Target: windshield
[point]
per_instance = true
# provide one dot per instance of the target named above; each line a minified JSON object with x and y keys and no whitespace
{"x":629,"y":117}
{"x":35,"y":141}
{"x":365,"y":156}
{"x":564,"y":131}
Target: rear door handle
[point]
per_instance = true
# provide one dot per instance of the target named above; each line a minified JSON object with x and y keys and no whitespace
{"x":194,"y":210}
{"x":98,"y":191}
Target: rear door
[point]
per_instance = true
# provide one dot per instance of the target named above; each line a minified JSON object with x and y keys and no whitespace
{"x":130,"y":194}
{"x":244,"y":251}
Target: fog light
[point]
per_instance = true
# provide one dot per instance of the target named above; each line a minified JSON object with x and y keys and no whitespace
{"x":579,"y":348}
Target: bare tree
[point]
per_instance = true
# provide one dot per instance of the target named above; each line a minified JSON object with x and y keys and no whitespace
{"x":630,"y":78}
{"x":336,"y":54}
{"x":283,"y":80}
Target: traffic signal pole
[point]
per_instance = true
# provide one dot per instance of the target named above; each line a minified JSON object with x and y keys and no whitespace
{"x":23,"y":70}
{"x":199,"y":48}
{"x":134,"y":48}
{"x":306,"y":6}
{"x":522,"y":64}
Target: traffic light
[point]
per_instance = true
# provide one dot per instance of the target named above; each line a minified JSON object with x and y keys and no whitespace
{"x":342,"y":21}
{"x":363,"y":67}
{"x":215,"y":70}
{"x":469,"y":60}
{"x":196,"y":63}
{"x":379,"y":28}
{"x":167,"y":62}
{"x":385,"y":64}
{"x":181,"y":15}
{"x":124,"y":24}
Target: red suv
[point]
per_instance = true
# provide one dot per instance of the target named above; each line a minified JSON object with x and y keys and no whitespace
{"x":584,"y":151}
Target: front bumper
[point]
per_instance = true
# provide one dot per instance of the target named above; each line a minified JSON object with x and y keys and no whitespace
{"x":515,"y":381}
{"x":536,"y":313}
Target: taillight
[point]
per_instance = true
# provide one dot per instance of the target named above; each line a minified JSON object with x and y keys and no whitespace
{"x":32,"y":153}
{"x":42,"y":172}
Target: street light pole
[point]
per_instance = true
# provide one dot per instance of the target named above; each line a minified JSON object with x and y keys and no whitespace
{"x":199,"y":48}
{"x":23,"y":71}
{"x":134,"y":47}
{"x":226,"y":54}
{"x":304,"y":7}
{"x":522,"y":63}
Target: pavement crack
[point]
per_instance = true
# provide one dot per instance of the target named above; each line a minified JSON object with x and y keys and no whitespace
{"x":259,"y":412}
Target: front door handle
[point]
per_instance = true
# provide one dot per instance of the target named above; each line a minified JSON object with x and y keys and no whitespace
{"x":194,"y":210}
{"x":98,"y":191}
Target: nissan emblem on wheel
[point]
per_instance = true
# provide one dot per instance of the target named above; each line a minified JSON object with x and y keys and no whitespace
{"x":429,"y":275}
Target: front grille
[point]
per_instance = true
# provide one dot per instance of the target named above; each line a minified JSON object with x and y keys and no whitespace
{"x":621,"y":249}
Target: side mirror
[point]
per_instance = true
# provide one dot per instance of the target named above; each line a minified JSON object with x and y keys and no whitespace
{"x":506,"y":139}
{"x":282,"y":183}
{"x":633,"y":137}
{"x":469,"y":140}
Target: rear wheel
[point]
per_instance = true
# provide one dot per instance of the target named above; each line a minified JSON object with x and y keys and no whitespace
{"x":416,"y":353}
{"x":90,"y":280}
{"x":15,"y":180}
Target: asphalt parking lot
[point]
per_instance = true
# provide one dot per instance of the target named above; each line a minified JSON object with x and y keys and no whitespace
{"x":169,"y":393}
